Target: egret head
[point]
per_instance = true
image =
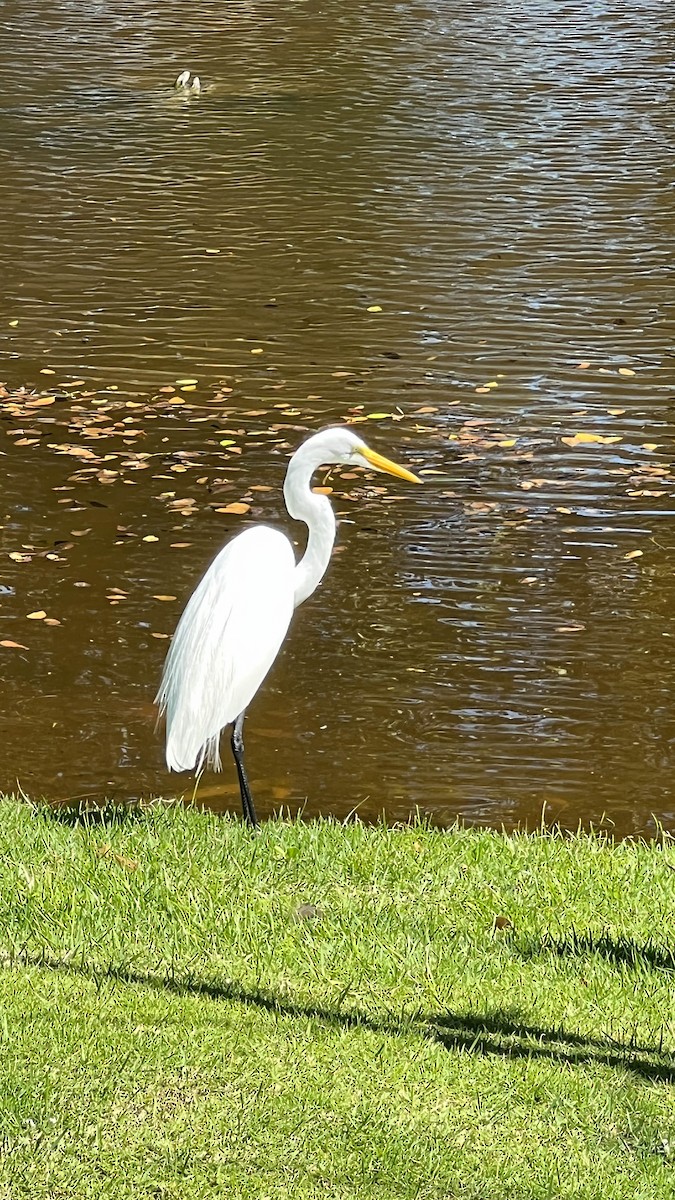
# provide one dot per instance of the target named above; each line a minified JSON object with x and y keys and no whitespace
{"x":341,"y":445}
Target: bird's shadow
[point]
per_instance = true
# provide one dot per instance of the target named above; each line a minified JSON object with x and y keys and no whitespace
{"x":500,"y":1032}
{"x":93,"y":814}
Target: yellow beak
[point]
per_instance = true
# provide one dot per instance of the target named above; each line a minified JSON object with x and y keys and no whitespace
{"x":385,"y":464}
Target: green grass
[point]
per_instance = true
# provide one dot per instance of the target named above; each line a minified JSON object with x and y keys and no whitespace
{"x":171,"y":1026}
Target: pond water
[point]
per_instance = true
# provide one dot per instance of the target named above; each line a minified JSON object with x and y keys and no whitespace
{"x":450,"y":222}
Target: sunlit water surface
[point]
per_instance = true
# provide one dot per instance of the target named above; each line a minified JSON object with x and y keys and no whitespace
{"x":371,"y":209}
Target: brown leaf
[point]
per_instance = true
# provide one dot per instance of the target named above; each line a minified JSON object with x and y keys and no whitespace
{"x":129,"y":864}
{"x":586,"y":439}
{"x":237,"y":507}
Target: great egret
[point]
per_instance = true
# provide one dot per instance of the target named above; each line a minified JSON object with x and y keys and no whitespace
{"x":236,"y":619}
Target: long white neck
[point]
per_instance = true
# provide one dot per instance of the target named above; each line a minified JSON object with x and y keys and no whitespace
{"x":315,"y":510}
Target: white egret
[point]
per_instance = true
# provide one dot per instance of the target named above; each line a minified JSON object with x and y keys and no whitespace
{"x":236,"y":619}
{"x":183,"y":80}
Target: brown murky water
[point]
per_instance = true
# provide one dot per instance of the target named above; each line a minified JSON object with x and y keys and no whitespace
{"x":458,"y":216}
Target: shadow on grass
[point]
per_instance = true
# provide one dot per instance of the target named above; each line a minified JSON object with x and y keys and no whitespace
{"x":90,"y":814}
{"x":499,"y":1033}
{"x":623,"y":951}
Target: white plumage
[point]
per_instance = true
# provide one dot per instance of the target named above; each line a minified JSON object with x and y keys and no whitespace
{"x":228,"y":637}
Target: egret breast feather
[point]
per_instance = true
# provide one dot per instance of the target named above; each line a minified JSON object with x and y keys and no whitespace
{"x":226,"y":641}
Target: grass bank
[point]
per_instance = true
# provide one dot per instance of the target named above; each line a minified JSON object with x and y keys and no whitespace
{"x":190,"y":1011}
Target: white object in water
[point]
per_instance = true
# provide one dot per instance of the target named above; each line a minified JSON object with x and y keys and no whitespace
{"x":196,"y":84}
{"x":183,"y":80}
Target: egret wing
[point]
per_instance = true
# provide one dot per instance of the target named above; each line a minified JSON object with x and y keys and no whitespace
{"x":226,"y":641}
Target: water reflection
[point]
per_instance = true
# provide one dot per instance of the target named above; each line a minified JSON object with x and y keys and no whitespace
{"x":389,"y":207}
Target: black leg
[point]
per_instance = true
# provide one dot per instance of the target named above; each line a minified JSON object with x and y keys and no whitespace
{"x":237,"y":744}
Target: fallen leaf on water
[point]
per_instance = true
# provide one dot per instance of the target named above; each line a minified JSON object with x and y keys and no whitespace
{"x":634,"y":554}
{"x":575,"y":628}
{"x":480,"y":506}
{"x":183,"y":502}
{"x":584,"y":439}
{"x":236,"y":507}
{"x":10,"y":645}
{"x":76,"y":451}
{"x":150,"y":537}
{"x":625,"y":371}
{"x":186,"y":382}
{"x":374,"y":308}
{"x":40,"y":614}
{"x":164,"y":597}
